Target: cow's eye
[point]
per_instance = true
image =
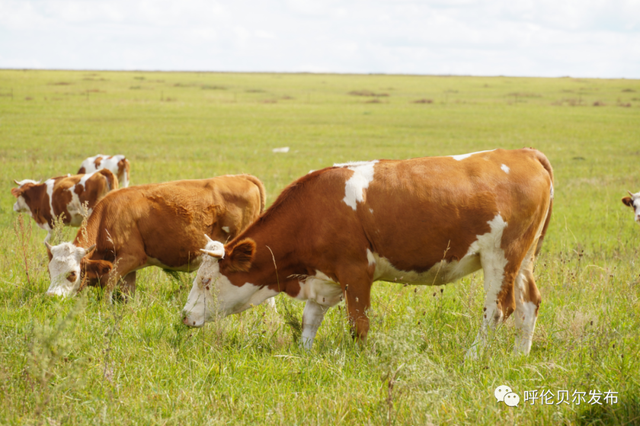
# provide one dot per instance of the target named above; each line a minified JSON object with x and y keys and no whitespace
{"x":206,"y":281}
{"x":71,"y":276}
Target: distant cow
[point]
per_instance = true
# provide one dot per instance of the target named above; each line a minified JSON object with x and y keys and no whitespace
{"x":62,"y":195}
{"x":118,"y":165}
{"x":633,"y":201}
{"x":335,"y":231}
{"x":153,"y":225}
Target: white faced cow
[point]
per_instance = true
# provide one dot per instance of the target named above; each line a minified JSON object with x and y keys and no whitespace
{"x":63,"y":195}
{"x":117,"y":164}
{"x":153,"y":225}
{"x":335,"y":231}
{"x":633,"y":201}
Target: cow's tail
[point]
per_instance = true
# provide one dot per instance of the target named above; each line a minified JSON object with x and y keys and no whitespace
{"x":547,"y":166}
{"x":112,"y":181}
{"x":263,"y":192}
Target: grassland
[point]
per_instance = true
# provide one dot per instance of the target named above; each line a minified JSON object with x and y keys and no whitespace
{"x":82,"y":361}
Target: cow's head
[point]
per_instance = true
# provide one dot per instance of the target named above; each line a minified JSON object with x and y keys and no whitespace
{"x":21,"y":206}
{"x":633,"y":201}
{"x":213,"y":295}
{"x":69,"y":265}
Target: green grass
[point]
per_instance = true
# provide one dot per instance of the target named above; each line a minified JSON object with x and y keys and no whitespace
{"x":81,"y":361}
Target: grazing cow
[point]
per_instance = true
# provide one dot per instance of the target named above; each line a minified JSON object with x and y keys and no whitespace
{"x":118,"y":165}
{"x":153,"y":225}
{"x":634,"y":202}
{"x":63,"y":195}
{"x":335,"y":231}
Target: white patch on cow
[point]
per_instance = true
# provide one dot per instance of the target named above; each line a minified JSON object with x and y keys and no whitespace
{"x":463,"y":156}
{"x":226,"y":229}
{"x":371,"y":211}
{"x":505,"y":168}
{"x":214,"y":296}
{"x":358,"y":182}
{"x":551,"y":190}
{"x":50,"y":183}
{"x":65,"y":260}
{"x":442,"y":272}
{"x":370,"y":257}
{"x":321,"y":289}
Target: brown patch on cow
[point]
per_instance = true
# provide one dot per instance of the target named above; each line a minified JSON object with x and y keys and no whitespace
{"x":82,"y":170}
{"x":627,"y":201}
{"x":97,"y":162}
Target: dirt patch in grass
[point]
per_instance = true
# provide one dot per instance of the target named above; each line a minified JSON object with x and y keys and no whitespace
{"x":423,"y":101}
{"x":367,"y":93}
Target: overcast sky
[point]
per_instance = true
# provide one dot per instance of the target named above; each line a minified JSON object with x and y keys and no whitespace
{"x":579,"y":38}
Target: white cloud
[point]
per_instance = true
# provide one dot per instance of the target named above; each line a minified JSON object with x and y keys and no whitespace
{"x":490,"y":37}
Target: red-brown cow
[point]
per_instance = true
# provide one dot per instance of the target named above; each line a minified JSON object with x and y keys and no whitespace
{"x":334,"y":232}
{"x":117,"y":164}
{"x":154,"y":225}
{"x":68,"y":196}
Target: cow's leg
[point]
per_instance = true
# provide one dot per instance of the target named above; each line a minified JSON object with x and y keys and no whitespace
{"x":527,"y":300}
{"x":311,"y":320}
{"x":357,"y":288}
{"x":272,"y":304}
{"x":499,"y":277}
{"x":123,"y":275}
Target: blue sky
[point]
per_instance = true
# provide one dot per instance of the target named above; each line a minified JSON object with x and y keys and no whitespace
{"x":463,"y":37}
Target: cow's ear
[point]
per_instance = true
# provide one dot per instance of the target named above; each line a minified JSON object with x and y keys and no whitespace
{"x":95,"y":269}
{"x":627,"y":201}
{"x":241,"y":255}
{"x":16,"y":192}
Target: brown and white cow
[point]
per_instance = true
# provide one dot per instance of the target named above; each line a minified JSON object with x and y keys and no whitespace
{"x":633,"y":201}
{"x":335,"y":231}
{"x":63,"y":195}
{"x":117,"y":164}
{"x":153,"y":225}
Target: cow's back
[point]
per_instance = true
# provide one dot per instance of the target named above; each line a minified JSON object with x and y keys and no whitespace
{"x":169,"y":220}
